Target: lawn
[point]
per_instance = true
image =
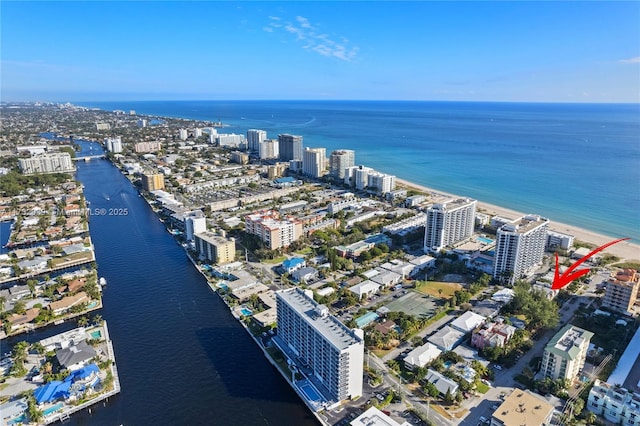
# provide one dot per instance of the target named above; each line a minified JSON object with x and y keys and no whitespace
{"x":274,"y":260}
{"x":432,"y":288}
{"x":75,"y":257}
{"x":304,"y":251}
{"x":482,"y":388}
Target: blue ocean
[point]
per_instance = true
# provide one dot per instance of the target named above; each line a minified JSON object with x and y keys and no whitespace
{"x":573,"y":163}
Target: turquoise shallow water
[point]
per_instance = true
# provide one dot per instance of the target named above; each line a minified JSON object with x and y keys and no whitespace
{"x":574,"y":163}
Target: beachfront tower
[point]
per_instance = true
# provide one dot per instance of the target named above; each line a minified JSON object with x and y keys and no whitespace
{"x":339,"y":161}
{"x":290,"y":147}
{"x":449,"y":223}
{"x":314,"y":162}
{"x":254,"y":138}
{"x":519,"y":248}
{"x":311,"y":336}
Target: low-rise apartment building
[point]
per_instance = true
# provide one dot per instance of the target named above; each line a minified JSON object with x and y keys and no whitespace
{"x":565,"y":353}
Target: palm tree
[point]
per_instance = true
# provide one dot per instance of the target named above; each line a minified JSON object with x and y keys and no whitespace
{"x":97,"y":320}
{"x":83,"y":321}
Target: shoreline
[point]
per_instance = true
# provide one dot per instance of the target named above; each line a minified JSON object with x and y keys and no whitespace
{"x":625,"y":250}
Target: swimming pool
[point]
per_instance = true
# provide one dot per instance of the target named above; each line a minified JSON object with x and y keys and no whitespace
{"x":485,"y":240}
{"x":53,"y":409}
{"x":246,"y":312}
{"x":17,"y":420}
{"x":96,"y":334}
{"x":366,"y":319}
{"x":309,"y":392}
{"x":92,"y":305}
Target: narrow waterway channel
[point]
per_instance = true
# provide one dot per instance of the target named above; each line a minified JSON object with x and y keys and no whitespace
{"x":182,"y":358}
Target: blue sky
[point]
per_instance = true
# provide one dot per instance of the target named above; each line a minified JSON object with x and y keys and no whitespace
{"x":475,"y":51}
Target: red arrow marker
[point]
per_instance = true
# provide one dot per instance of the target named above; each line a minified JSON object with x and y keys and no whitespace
{"x":560,"y":281}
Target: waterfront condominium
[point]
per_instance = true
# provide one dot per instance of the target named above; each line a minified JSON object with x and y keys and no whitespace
{"x":449,"y":223}
{"x":153,"y":182}
{"x":519,"y":247}
{"x":274,"y":231}
{"x":564,"y":355}
{"x":290,"y":147}
{"x":381,"y":182}
{"x":622,"y":291}
{"x":314,"y":162}
{"x":215,"y":248}
{"x":339,"y":161}
{"x":254,"y":138}
{"x":357,"y":176}
{"x":113,"y":144}
{"x":310,"y":335}
{"x":59,"y":162}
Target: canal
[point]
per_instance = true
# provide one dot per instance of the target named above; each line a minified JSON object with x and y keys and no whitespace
{"x":182,"y":358}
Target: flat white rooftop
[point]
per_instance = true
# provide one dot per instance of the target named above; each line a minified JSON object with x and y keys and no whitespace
{"x":327,"y":325}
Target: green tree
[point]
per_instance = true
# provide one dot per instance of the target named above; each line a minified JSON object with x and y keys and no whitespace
{"x":449,"y":397}
{"x":20,"y":307}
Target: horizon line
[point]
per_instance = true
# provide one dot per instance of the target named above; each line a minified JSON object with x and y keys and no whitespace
{"x":4,"y":102}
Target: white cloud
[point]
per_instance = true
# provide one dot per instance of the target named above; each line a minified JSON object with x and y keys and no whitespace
{"x":321,"y":43}
{"x":635,"y":60}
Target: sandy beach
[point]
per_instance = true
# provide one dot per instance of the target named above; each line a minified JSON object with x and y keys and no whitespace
{"x":624,"y":250}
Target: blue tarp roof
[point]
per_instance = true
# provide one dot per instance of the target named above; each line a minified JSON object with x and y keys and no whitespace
{"x":290,"y":263}
{"x":82,"y":373}
{"x":52,"y":391}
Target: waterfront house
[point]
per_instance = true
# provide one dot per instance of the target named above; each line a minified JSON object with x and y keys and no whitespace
{"x":67,"y":303}
{"x":76,"y":356}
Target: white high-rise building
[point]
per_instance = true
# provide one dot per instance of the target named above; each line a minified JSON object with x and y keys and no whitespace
{"x":183,"y":134}
{"x":269,"y":149}
{"x":113,"y":144}
{"x":357,"y":176}
{"x":519,"y":247}
{"x":194,"y":223}
{"x":230,"y":140}
{"x":331,"y":350}
{"x":59,"y":162}
{"x":254,"y":138}
{"x":314,"y":162}
{"x":449,"y":223}
{"x":212,"y":132}
{"x":340,"y":160}
{"x":381,"y":182}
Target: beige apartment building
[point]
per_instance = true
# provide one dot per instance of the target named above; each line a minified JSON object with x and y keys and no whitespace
{"x":152,"y":182}
{"x":215,"y":248}
{"x":622,"y":291}
{"x":273,"y":230}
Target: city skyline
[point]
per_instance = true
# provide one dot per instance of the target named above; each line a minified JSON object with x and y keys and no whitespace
{"x":455,"y":51}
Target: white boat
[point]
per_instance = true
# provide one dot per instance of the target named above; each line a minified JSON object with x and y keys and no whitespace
{"x":102,"y":281}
